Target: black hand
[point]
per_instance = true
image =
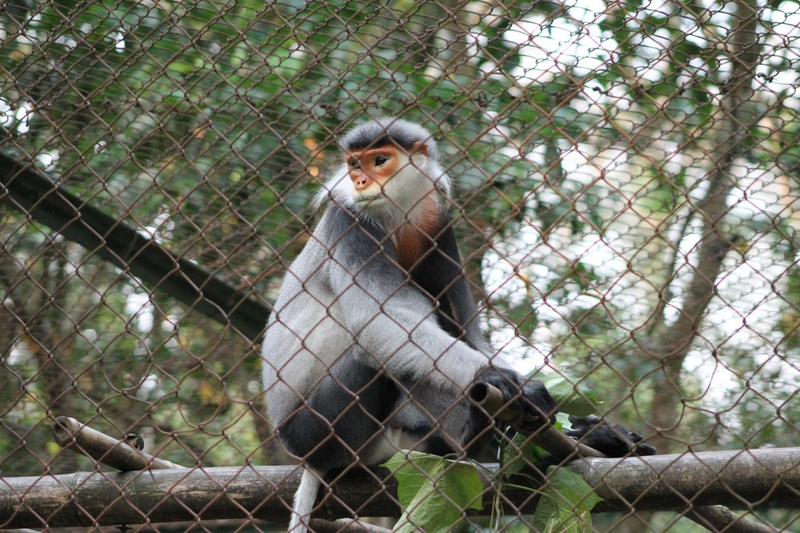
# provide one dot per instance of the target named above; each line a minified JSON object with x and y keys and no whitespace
{"x":611,"y":439}
{"x":530,"y":400}
{"x":540,"y":406}
{"x":504,"y":379}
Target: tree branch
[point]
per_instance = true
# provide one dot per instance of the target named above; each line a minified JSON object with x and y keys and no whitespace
{"x":733,"y":120}
{"x":70,"y":433}
{"x":36,"y":195}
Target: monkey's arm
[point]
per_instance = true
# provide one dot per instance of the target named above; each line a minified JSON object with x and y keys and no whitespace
{"x":388,"y":317}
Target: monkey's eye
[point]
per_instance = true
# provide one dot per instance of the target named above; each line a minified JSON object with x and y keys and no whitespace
{"x":381,"y":160}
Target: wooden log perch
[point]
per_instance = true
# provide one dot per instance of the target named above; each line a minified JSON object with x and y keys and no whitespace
{"x":71,"y":434}
{"x":659,"y":482}
{"x":344,"y":525}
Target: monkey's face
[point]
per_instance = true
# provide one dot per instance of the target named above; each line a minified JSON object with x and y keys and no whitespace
{"x":388,"y":180}
{"x":371,"y":170}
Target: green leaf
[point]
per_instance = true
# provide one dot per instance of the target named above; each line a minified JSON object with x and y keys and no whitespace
{"x":522,"y":452}
{"x":565,"y":504}
{"x":433,"y":491}
{"x":573,"y":396}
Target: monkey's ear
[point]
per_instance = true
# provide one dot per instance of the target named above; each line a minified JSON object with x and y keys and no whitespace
{"x":419,"y":148}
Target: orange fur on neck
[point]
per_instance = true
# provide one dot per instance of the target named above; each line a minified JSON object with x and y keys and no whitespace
{"x":416,"y":236}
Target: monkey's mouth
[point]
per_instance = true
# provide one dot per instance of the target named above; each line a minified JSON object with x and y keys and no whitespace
{"x":374,"y":199}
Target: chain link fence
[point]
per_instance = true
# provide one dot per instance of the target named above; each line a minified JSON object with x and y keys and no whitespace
{"x":626,"y":198}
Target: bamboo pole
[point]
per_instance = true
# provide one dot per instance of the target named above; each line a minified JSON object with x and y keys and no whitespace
{"x":116,"y":453}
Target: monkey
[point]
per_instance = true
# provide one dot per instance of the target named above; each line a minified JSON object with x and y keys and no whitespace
{"x":375,"y":338}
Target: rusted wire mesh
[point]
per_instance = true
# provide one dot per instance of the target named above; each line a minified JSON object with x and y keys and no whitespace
{"x":626,"y":200}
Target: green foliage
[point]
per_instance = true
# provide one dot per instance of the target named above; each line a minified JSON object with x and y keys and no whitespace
{"x":566,"y":500}
{"x":433,"y":491}
{"x":565,"y":504}
{"x":521,"y":451}
{"x":573,"y":397}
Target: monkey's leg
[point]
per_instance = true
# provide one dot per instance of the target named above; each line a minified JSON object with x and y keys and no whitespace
{"x":341,"y":417}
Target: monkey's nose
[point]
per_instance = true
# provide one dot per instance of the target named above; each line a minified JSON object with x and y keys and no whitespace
{"x":361,"y":182}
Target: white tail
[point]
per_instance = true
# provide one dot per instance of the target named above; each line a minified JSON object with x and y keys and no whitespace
{"x":304,"y":500}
